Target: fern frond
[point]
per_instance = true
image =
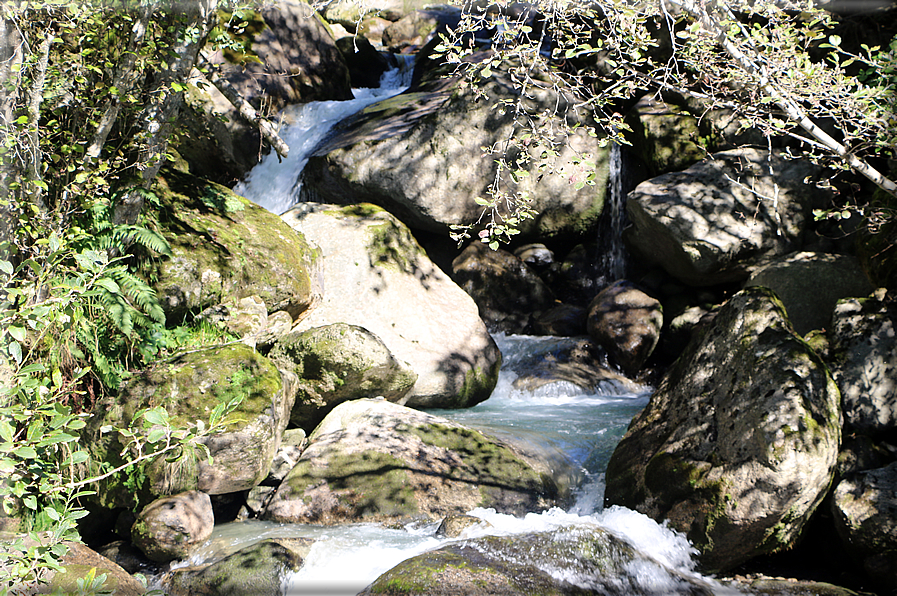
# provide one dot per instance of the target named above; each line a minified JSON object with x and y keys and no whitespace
{"x":139,"y":292}
{"x":149,"y":239}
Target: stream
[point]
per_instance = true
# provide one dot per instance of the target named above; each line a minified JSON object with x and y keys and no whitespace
{"x":559,"y":418}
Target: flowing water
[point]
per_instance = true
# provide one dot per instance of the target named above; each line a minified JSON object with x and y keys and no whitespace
{"x":582,"y":426}
{"x":274,"y":183}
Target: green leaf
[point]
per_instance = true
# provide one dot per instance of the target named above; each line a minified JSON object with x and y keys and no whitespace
{"x":15,"y":350}
{"x":6,"y":267}
{"x":30,"y":502}
{"x":17,"y":332}
{"x":22,"y":120}
{"x":156,"y":416}
{"x":835,"y":40}
{"x":156,"y":435}
{"x":26,"y":452}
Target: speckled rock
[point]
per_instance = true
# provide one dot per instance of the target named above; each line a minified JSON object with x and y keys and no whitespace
{"x":863,"y":358}
{"x":864,"y":507}
{"x":738,"y":445}
{"x":372,"y":460}
{"x":172,"y":527}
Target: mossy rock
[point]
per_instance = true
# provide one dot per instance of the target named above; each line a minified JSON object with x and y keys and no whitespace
{"x":256,"y":570}
{"x":738,"y":444}
{"x":574,"y":560}
{"x":338,"y":363}
{"x":224,"y":248}
{"x":372,"y":460}
{"x":189,"y":387}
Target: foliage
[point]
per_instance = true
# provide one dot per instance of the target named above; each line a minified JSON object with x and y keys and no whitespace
{"x":780,"y":67}
{"x":88,"y":91}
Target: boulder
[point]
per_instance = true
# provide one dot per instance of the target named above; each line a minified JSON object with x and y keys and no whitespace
{"x":864,"y":507}
{"x":508,"y":293}
{"x":626,"y":322}
{"x":351,"y":13}
{"x":81,"y":563}
{"x":713,"y":222}
{"x":809,"y":284}
{"x":255,"y":570}
{"x":337,"y":363}
{"x":573,"y":361}
{"x":377,"y":276}
{"x":863,"y":358}
{"x":190,"y":387}
{"x":417,"y":28}
{"x":738,"y":445}
{"x":366,"y":64}
{"x":420,"y":155}
{"x":574,"y":560}
{"x":289,"y":57}
{"x":172,"y":527}
{"x":225,"y":248}
{"x":372,"y":460}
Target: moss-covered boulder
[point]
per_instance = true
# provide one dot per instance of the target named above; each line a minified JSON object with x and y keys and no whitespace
{"x":224,"y":248}
{"x":189,"y":387}
{"x":738,"y":445}
{"x":337,"y":363}
{"x":256,"y":570}
{"x":372,"y":460}
{"x":378,"y":277}
{"x":576,"y":560}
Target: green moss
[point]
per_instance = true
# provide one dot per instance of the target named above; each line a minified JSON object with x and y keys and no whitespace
{"x":391,"y":245}
{"x":374,"y":483}
{"x":494,"y":467}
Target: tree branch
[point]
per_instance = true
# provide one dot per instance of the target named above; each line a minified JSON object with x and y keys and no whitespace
{"x":244,"y":107}
{"x":790,"y":107}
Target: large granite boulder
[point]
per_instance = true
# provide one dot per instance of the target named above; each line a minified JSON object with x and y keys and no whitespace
{"x":569,"y":561}
{"x":225,"y":248}
{"x":508,"y":293}
{"x":809,"y":284}
{"x":420,"y":155}
{"x":373,"y":460}
{"x":289,"y":57}
{"x":173,"y":527}
{"x":864,"y":507}
{"x":713,"y":222}
{"x":255,"y":570}
{"x":190,"y":387}
{"x":81,"y":563}
{"x":377,"y":276}
{"x":626,"y":322}
{"x":738,"y":445}
{"x":863,"y":357}
{"x":337,"y":363}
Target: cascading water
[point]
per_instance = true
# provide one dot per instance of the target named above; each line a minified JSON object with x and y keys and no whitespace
{"x":274,"y":183}
{"x":558,"y":417}
{"x":611,"y":254}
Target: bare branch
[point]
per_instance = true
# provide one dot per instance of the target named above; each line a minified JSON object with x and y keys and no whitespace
{"x":244,"y":107}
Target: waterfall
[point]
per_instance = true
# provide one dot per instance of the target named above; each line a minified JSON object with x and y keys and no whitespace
{"x":274,"y":183}
{"x":612,"y":255}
